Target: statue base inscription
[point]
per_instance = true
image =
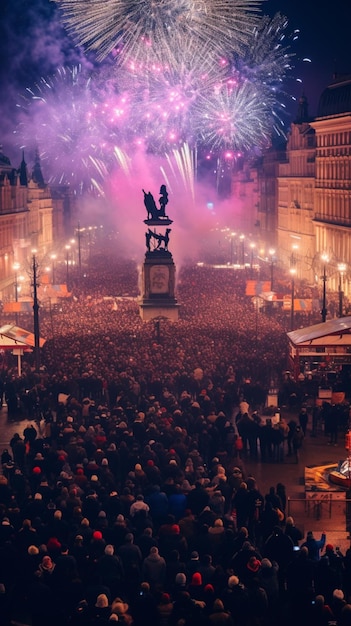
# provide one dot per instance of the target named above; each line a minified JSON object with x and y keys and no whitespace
{"x":158,"y":282}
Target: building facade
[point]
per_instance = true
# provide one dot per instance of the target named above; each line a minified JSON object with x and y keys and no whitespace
{"x":26,"y":210}
{"x":314,"y":192}
{"x":332,"y":198}
{"x":295,"y":201}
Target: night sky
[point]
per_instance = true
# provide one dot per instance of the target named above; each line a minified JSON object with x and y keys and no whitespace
{"x":33,"y":43}
{"x":324,"y":38}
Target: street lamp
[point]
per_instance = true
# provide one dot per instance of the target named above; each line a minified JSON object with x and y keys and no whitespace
{"x":16,"y":267}
{"x":67,"y":261}
{"x":294,"y":248}
{"x":72,"y":244}
{"x":325,"y":259}
{"x":36,"y":313}
{"x":53,"y":258}
{"x":252,"y":246}
{"x":341,"y":269}
{"x":232,"y":237}
{"x":79,"y":249}
{"x":242,"y":241}
{"x":271,"y":253}
{"x":292,"y":310}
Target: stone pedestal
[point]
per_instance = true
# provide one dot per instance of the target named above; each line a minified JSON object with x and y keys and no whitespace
{"x":157,"y":287}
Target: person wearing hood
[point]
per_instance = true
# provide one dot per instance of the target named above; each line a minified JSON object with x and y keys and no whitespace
{"x":154,"y":569}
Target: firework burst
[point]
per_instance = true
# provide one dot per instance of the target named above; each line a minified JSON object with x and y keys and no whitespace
{"x":63,"y":118}
{"x":148,"y":32}
{"x":164,"y":101}
{"x":234,"y":118}
{"x":267,"y":63}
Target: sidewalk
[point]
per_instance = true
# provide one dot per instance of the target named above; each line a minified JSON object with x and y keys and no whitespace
{"x":328,"y":516}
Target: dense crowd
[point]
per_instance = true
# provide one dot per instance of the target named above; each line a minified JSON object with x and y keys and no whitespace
{"x":127,"y":500}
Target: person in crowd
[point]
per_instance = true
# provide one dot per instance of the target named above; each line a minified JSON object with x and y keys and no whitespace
{"x":293,"y":531}
{"x":314,"y":545}
{"x":130,"y":488}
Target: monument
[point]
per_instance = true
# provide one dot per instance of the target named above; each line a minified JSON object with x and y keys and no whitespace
{"x":158,"y":273}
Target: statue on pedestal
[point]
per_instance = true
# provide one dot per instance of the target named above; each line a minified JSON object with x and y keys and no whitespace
{"x":158,"y":270}
{"x":153,"y":213}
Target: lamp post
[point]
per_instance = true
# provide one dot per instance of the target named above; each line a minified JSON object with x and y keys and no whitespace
{"x":72,"y":244}
{"x":79,"y":249}
{"x":292,"y":310}
{"x":53,"y":258}
{"x":36,"y":313}
{"x":325,"y":259}
{"x":242,"y":241}
{"x":252,"y":247}
{"x":341,"y":270}
{"x":67,"y":262}
{"x":16,"y":267}
{"x":294,"y":248}
{"x":271,"y":253}
{"x":232,"y":237}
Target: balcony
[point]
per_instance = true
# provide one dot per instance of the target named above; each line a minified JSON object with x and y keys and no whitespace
{"x":335,"y":220}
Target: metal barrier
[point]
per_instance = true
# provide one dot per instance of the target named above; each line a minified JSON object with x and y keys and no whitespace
{"x":332,"y":513}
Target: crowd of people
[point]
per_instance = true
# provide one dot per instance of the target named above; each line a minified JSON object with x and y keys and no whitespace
{"x":126,"y":499}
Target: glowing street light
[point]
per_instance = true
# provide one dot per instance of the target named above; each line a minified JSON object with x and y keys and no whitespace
{"x":79,"y":248}
{"x":232,"y":238}
{"x":53,"y":258}
{"x":341,"y":269}
{"x":325,"y":259}
{"x":292,"y":310}
{"x":16,"y":267}
{"x":294,"y":248}
{"x":36,"y":312}
{"x":252,"y":247}
{"x":242,"y":241}
{"x":68,"y":247}
{"x":271,"y":253}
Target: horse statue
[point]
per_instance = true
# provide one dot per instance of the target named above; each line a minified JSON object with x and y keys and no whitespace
{"x":150,"y":205}
{"x":159,"y":238}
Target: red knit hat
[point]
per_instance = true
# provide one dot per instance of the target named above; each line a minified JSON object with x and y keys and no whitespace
{"x":253,"y":564}
{"x":196,"y":579}
{"x":165,"y":597}
{"x":97,"y":534}
{"x":53,"y":544}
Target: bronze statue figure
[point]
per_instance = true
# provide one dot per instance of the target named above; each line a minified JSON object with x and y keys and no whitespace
{"x":163,"y":200}
{"x":159,"y":238}
{"x":153,"y":213}
{"x":150,"y":204}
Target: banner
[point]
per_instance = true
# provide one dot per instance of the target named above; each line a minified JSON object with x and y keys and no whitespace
{"x":300,"y":304}
{"x":18,"y":307}
{"x":256,"y":287}
{"x":53,"y":291}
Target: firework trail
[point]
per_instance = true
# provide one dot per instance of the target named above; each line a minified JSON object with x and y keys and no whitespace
{"x":180,"y":168}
